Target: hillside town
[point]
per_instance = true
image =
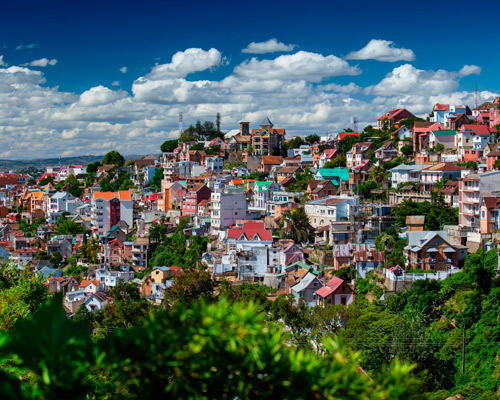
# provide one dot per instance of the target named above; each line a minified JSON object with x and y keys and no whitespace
{"x":258,"y":206}
{"x":379,"y":235}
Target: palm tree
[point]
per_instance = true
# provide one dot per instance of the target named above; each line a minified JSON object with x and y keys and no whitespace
{"x":378,"y":174}
{"x":297,"y":226}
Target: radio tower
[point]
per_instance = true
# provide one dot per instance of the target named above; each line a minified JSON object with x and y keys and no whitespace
{"x":354,"y":124}
{"x":180,"y":125}
{"x":475,"y":95}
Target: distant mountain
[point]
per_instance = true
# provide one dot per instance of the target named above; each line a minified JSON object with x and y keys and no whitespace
{"x":6,"y":165}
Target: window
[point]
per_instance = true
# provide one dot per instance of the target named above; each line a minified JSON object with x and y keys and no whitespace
{"x":343,"y":300}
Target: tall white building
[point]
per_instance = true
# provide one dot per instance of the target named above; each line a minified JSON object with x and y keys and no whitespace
{"x":227,"y":206}
{"x":108,"y":208}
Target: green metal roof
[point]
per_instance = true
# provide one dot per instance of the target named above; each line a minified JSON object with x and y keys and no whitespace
{"x":259,"y":184}
{"x":445,"y":132}
{"x":340,"y":173}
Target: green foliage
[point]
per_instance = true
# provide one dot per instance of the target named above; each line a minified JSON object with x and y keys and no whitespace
{"x":20,"y":295}
{"x":298,"y":227}
{"x":407,"y":150}
{"x":436,"y":215}
{"x":294,"y":143}
{"x":311,"y":139}
{"x":197,"y":146}
{"x":30,"y":230}
{"x":68,"y":227}
{"x":303,"y":179}
{"x":74,"y":188}
{"x":193,"y":285}
{"x":370,"y":331}
{"x":46,"y":181}
{"x":157,"y":178}
{"x":339,"y":161}
{"x":89,"y":250}
{"x":121,"y":182}
{"x":157,"y":231}
{"x":169,"y":146}
{"x":257,"y":175}
{"x":378,"y":174}
{"x":174,"y":251}
{"x":92,"y":167}
{"x":113,"y":157}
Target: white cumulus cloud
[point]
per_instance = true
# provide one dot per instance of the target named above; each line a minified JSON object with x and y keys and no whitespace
{"x":2,"y":62}
{"x":269,"y":46}
{"x":382,"y":50}
{"x":304,"y":65}
{"x":123,"y":70}
{"x":186,"y":62}
{"x":99,"y":95}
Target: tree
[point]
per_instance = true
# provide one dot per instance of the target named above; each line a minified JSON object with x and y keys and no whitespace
{"x":157,"y":231}
{"x":169,"y":145}
{"x":192,"y":285}
{"x":89,"y":250}
{"x":496,"y":165}
{"x":113,"y":157}
{"x":378,"y":174}
{"x":92,"y":167}
{"x":45,"y":181}
{"x":197,"y":146}
{"x":74,"y":188}
{"x":339,"y":161}
{"x":311,"y":139}
{"x":157,"y":178}
{"x":298,"y":227}
{"x":407,"y":150}
{"x":217,"y":122}
{"x":438,"y":148}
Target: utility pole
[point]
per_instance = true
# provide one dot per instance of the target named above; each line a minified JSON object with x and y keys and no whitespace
{"x":463,"y":351}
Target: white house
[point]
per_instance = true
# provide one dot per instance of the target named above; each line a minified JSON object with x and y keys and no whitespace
{"x":330,"y":209}
{"x":214,"y":163}
{"x":406,"y":173}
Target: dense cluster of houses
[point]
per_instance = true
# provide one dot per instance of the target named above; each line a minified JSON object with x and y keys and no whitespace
{"x":240,"y":189}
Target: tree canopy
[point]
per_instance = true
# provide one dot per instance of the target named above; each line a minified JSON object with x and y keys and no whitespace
{"x":115,"y":158}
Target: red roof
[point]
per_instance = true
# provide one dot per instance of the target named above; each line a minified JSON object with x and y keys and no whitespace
{"x":329,"y":153}
{"x":342,"y":135}
{"x":476,"y":129}
{"x":153,"y":196}
{"x":331,"y":286}
{"x":442,"y":107}
{"x":434,"y":127}
{"x":250,"y":229}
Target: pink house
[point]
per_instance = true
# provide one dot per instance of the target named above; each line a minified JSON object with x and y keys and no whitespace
{"x":336,"y":291}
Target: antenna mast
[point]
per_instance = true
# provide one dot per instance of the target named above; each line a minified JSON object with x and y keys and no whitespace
{"x":354,"y":123}
{"x":475,"y":100}
{"x":180,"y":125}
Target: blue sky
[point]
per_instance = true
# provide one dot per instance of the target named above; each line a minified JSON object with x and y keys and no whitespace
{"x":62,"y":91}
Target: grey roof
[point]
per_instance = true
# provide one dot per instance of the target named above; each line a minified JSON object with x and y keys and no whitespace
{"x":266,"y":122}
{"x":404,"y":167}
{"x":417,"y":239}
{"x":60,"y":195}
{"x":304,"y":282}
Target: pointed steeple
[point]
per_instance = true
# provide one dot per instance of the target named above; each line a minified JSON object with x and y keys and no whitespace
{"x":266,"y":123}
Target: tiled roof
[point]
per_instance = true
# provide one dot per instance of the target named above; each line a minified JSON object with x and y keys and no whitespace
{"x":444,"y":166}
{"x":273,"y":160}
{"x":250,"y":229}
{"x":331,"y":286}
{"x":476,"y":129}
{"x":121,"y":195}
